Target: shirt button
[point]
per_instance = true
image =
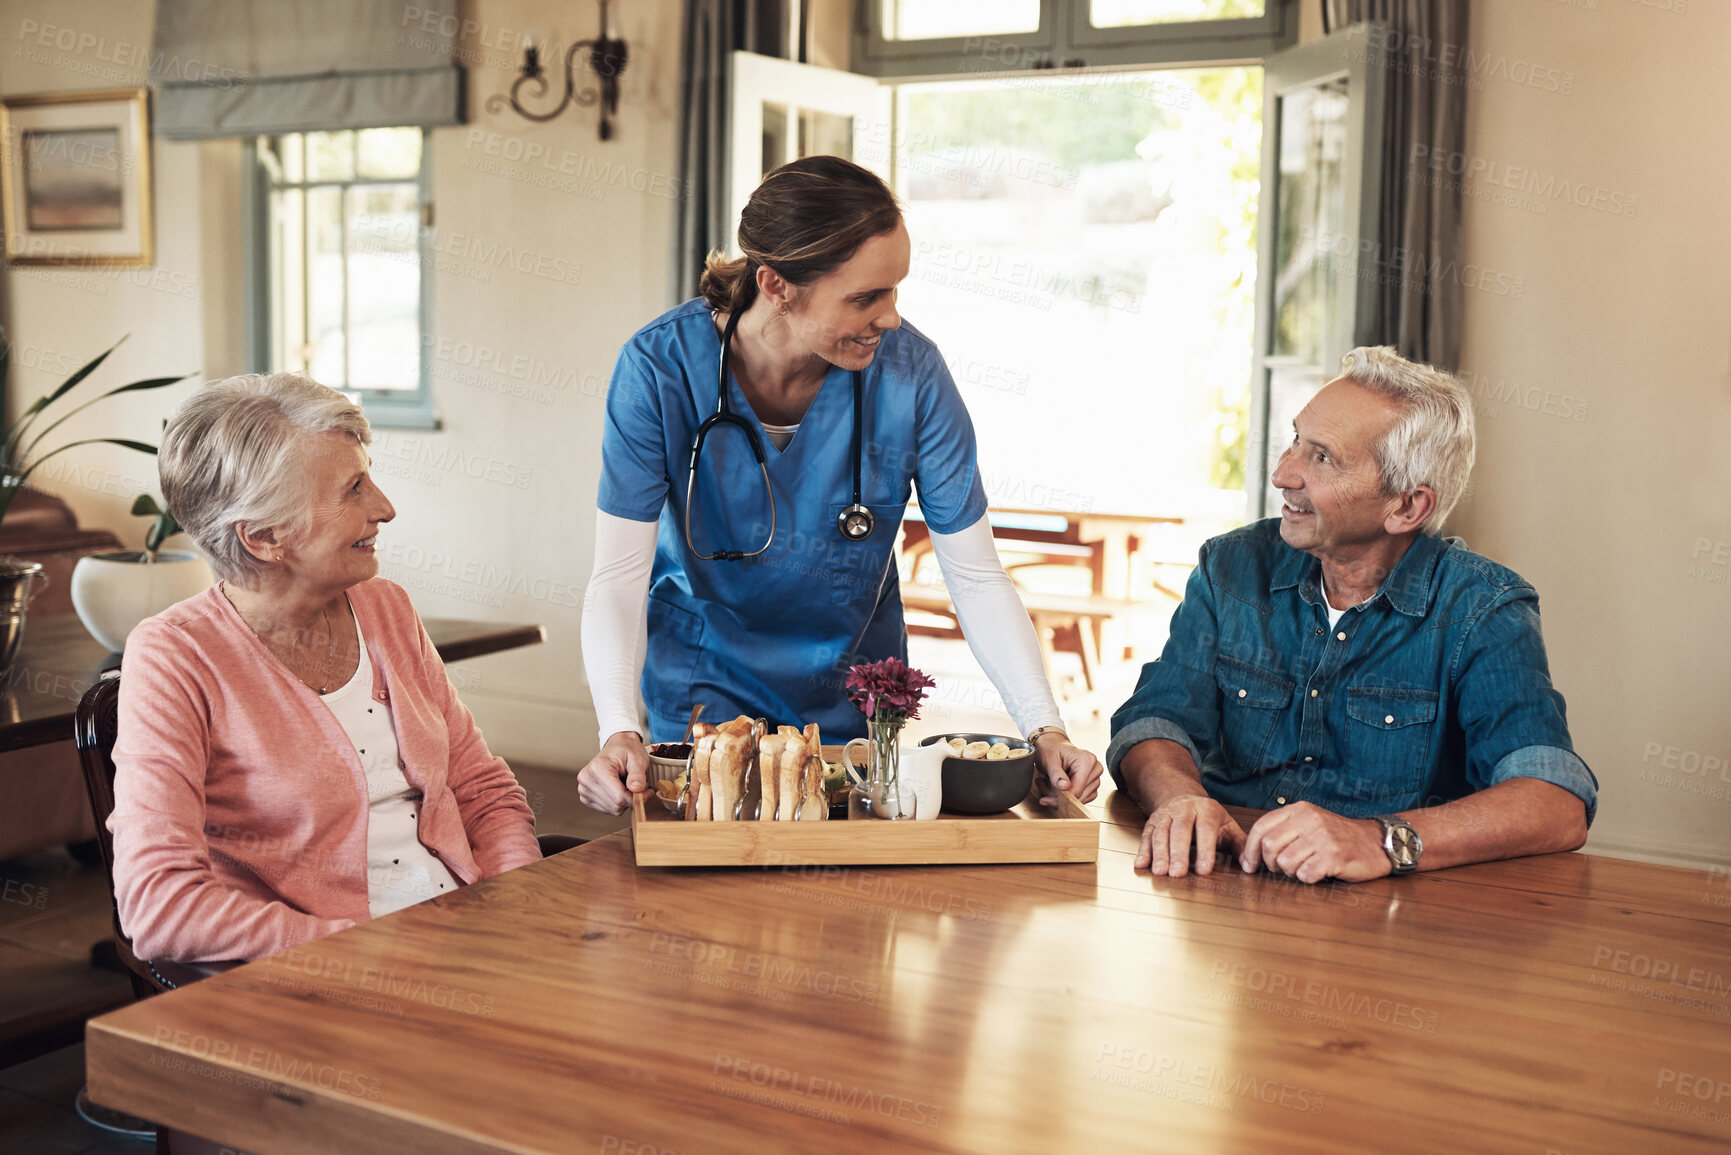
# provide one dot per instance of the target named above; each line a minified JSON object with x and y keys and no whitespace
{"x":1282,"y":801}
{"x":1242,"y":693}
{"x":1313,"y":693}
{"x":1389,"y":720}
{"x":1319,"y":631}
{"x":1341,"y":636}
{"x":1308,"y":758}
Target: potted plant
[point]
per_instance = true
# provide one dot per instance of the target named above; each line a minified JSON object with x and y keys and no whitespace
{"x":116,"y":589}
{"x":22,"y":453}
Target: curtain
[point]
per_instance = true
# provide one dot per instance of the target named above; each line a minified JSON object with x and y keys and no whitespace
{"x":1422,"y":250}
{"x":226,"y":68}
{"x":714,"y":30}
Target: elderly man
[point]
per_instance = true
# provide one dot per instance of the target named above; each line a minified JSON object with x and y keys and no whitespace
{"x":1380,"y":690}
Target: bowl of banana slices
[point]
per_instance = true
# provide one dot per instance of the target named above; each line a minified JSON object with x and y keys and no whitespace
{"x":985,"y":773}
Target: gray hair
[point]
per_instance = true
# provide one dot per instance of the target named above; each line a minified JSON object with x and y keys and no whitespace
{"x":232,"y":455}
{"x":1432,"y":442}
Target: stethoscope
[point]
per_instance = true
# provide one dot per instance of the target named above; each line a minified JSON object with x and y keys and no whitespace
{"x":856,"y":521}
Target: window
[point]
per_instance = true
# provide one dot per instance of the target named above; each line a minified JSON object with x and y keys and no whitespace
{"x":904,"y":38}
{"x":341,"y":269}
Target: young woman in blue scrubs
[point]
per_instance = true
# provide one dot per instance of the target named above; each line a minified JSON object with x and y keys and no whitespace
{"x":761,"y":583}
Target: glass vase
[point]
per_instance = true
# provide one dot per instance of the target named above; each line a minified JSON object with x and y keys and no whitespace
{"x":878,"y":789}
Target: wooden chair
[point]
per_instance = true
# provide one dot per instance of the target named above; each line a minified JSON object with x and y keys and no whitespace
{"x":96,"y":724}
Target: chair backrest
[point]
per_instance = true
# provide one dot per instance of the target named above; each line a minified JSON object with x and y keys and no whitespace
{"x":94,"y":729}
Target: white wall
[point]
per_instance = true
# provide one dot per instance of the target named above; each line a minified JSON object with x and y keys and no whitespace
{"x":1620,"y":519}
{"x":523,"y":356}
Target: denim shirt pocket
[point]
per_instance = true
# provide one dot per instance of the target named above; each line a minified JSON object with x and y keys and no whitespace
{"x":1390,"y":730}
{"x":1251,"y":701}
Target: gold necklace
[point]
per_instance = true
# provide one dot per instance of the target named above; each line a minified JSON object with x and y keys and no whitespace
{"x":330,"y":642}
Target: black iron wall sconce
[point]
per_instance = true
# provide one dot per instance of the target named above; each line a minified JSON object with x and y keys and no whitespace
{"x":606,"y":59}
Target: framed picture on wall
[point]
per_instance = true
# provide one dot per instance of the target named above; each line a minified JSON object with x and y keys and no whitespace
{"x":75,"y":178}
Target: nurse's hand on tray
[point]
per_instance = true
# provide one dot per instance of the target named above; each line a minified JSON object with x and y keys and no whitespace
{"x":1069,"y":768}
{"x":621,"y":769}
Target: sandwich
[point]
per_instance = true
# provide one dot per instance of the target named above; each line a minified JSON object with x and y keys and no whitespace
{"x":789,"y":765}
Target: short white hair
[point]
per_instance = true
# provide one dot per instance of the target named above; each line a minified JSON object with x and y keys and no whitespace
{"x":1432,"y":442}
{"x":233,"y":454}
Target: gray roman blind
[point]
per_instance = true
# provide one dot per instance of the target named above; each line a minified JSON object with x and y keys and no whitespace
{"x":259,"y":67}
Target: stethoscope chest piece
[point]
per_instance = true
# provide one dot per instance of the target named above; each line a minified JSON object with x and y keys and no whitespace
{"x":856,"y":522}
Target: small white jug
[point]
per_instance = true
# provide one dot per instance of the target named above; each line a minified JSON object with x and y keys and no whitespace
{"x":922,"y":779}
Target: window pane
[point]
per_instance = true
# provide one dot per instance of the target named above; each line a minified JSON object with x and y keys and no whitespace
{"x":325,"y":288}
{"x":1127,"y":13}
{"x":289,"y":348}
{"x":775,"y":129}
{"x":330,"y":155}
{"x":384,"y":287}
{"x":1310,"y":211}
{"x":932,"y":19}
{"x":389,"y":152}
{"x":1085,"y":258}
{"x":824,"y":134}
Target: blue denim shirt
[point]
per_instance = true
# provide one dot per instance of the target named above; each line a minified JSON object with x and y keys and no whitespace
{"x":1434,"y":688}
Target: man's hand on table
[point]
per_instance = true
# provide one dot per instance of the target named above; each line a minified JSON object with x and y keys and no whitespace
{"x":1310,"y":844}
{"x":618,"y":771}
{"x":1068,"y":768}
{"x":1185,"y":821}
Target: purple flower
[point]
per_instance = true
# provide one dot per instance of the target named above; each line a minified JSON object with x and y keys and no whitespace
{"x":889,"y":691}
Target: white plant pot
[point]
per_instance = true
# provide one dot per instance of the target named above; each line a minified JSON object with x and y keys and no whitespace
{"x":114,"y":591}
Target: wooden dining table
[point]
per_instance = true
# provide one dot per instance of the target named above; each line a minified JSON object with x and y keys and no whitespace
{"x":1567,"y":1003}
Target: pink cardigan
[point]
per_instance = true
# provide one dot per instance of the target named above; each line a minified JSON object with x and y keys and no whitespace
{"x":240,"y":805}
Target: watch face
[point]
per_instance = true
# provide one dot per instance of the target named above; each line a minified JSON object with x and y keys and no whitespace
{"x":1403,"y":841}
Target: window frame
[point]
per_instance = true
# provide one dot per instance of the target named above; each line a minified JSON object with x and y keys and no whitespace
{"x":1067,"y":40}
{"x":385,"y":409}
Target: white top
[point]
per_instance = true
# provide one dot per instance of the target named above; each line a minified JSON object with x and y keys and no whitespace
{"x":992,"y":617}
{"x":400,"y":871}
{"x":1333,"y":614}
{"x":781,"y":434}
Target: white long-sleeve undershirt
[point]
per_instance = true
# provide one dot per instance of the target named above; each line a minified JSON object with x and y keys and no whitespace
{"x":616,"y":608}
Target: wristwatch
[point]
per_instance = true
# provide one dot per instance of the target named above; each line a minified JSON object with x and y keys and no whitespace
{"x":1058,"y":730}
{"x":1401,"y":843}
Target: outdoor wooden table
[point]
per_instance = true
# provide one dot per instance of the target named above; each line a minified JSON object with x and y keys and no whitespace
{"x":1567,"y":1003}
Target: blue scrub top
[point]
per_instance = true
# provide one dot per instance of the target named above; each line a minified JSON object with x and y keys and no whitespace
{"x":774,"y":635}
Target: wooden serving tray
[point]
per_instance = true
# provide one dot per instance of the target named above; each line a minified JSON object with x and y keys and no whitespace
{"x":1028,"y":832}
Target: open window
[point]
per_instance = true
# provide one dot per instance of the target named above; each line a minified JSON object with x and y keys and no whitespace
{"x":1317,"y":235}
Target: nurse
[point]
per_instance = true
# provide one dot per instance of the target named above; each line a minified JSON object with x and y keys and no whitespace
{"x":761,"y":445}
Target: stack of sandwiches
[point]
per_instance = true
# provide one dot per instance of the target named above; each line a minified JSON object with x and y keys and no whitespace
{"x":788,"y":765}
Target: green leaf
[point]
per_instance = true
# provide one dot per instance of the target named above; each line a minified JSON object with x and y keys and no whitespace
{"x":144,"y":505}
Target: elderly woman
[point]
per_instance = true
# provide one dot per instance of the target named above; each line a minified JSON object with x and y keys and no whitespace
{"x":291,"y":758}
